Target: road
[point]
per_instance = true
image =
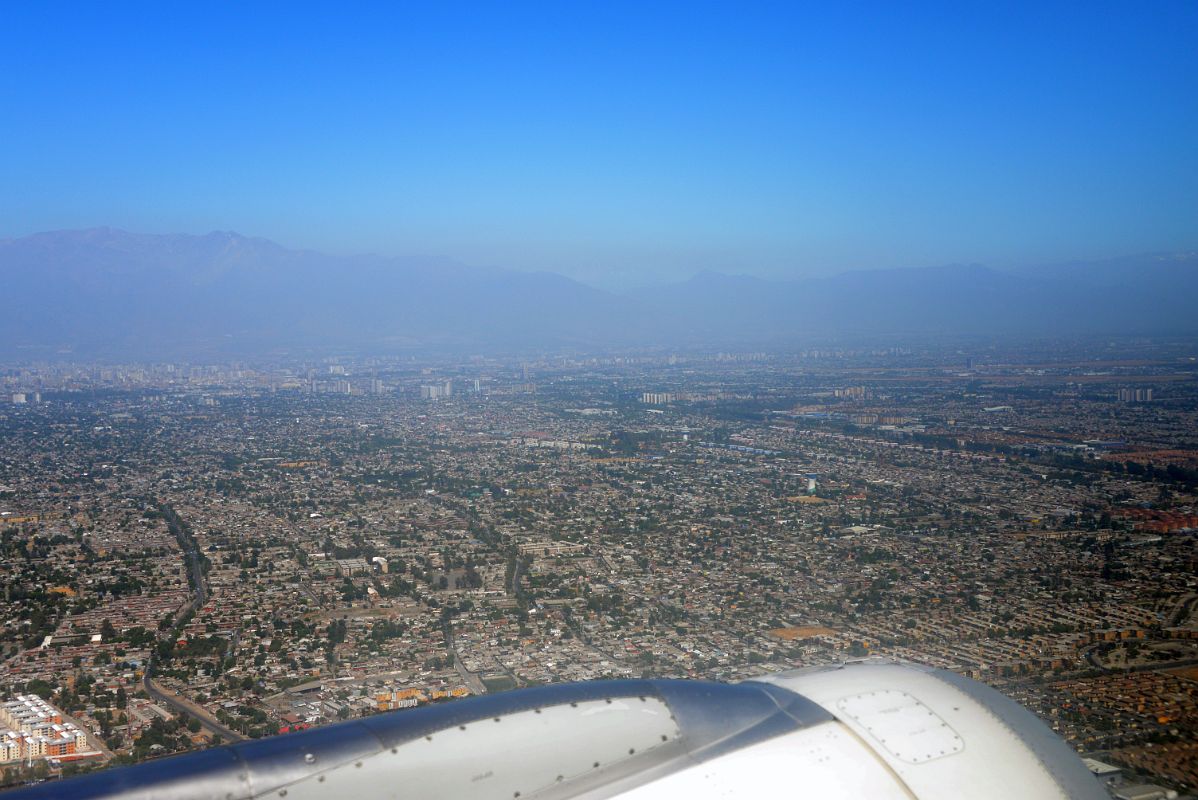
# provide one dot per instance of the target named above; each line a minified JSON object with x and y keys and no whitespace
{"x":188,"y":546}
{"x":182,"y":705}
{"x":515,"y":585}
{"x":586,"y":640}
{"x":1185,"y":607}
{"x":1091,"y":655}
{"x":471,"y":680}
{"x":93,"y":741}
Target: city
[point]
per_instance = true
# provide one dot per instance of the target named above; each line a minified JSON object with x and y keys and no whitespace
{"x":581,"y":401}
{"x":200,"y":554}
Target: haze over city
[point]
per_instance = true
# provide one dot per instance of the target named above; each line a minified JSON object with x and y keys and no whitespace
{"x":563,"y":400}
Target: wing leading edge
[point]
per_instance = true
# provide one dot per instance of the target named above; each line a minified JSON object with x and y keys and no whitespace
{"x":861,"y":730}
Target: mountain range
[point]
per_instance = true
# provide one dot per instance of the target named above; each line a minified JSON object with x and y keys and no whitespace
{"x":104,"y":291}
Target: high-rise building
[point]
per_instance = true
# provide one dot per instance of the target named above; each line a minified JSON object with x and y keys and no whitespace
{"x":657,"y":398}
{"x":1132,"y":395}
{"x":436,"y":391}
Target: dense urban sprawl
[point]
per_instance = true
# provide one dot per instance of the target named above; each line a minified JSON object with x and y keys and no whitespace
{"x":196,"y":554}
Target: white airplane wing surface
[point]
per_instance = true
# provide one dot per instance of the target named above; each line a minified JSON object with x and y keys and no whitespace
{"x":856,"y":731}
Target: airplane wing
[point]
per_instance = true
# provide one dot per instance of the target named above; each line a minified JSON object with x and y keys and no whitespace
{"x":867,"y":730}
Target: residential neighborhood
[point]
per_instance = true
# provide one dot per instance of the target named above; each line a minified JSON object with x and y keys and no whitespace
{"x":197,"y":555}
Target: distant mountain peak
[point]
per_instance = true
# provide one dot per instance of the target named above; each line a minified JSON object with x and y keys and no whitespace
{"x":712,"y":277}
{"x":130,"y":293}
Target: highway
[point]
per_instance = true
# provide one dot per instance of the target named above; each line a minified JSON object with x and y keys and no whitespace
{"x":180,"y":704}
{"x":184,"y":706}
{"x":469,"y":678}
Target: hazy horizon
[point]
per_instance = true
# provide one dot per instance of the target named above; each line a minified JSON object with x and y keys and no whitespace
{"x":619,"y":146}
{"x":612,"y":283}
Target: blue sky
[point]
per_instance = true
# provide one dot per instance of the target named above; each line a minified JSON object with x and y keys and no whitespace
{"x":619,"y":143}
